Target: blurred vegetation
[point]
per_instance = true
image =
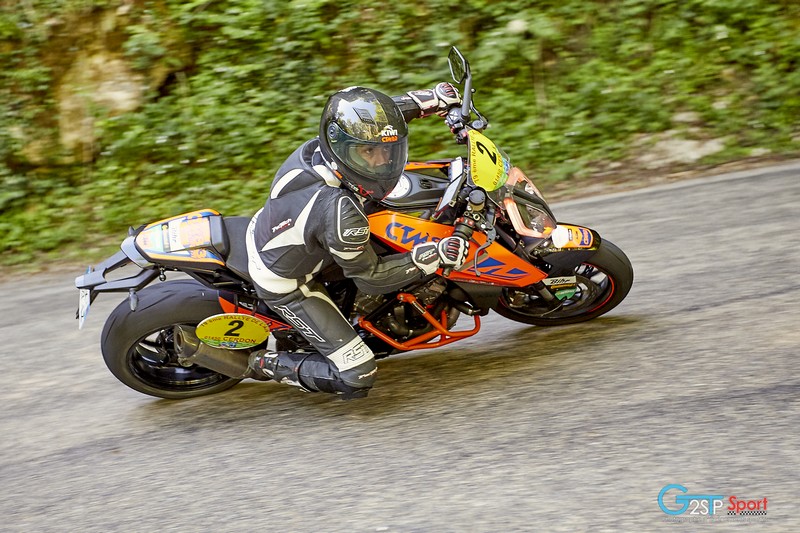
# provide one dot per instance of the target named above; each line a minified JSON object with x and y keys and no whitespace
{"x":568,"y":85}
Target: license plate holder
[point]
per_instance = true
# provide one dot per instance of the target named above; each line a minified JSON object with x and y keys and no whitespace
{"x":84,"y":301}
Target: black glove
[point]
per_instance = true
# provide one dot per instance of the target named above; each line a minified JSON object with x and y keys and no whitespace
{"x":456,"y":124}
{"x":449,"y":252}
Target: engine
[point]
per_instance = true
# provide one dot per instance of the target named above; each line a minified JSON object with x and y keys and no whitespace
{"x":399,"y":319}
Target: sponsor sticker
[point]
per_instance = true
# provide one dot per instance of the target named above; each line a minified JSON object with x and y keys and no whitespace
{"x":564,"y":280}
{"x":563,"y":287}
{"x":234,"y":331}
{"x":680,"y":505}
{"x":567,"y":236}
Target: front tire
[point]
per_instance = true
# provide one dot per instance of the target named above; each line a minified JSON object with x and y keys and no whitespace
{"x":138,"y":347}
{"x":603,"y":281}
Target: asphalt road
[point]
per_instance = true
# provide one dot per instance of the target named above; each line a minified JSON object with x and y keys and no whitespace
{"x":693,"y":380}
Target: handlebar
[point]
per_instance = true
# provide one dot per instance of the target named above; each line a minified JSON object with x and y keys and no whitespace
{"x":459,"y":123}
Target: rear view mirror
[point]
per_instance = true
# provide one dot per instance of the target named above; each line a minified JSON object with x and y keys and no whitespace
{"x":459,"y":68}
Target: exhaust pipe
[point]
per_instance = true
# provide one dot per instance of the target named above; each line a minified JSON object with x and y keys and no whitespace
{"x":231,"y":363}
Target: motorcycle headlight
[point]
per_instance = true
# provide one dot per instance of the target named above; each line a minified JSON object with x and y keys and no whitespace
{"x":526,"y":208}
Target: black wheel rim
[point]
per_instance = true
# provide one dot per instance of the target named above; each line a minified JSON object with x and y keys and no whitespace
{"x":152,"y":359}
{"x":594,"y":288}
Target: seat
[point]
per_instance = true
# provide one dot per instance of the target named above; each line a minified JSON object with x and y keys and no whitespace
{"x":236,"y":260}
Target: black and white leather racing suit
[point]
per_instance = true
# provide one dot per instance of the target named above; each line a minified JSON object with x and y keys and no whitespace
{"x":309,"y":222}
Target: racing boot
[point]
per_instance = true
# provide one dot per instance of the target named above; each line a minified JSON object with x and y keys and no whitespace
{"x":313,"y":372}
{"x":282,"y":367}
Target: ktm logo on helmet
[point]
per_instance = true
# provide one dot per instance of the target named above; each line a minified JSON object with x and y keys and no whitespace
{"x":389,"y":134}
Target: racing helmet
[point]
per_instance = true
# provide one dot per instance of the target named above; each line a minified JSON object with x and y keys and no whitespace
{"x":365,"y":137}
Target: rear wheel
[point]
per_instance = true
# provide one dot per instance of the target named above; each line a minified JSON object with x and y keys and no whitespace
{"x":601,"y":283}
{"x":138,"y":346}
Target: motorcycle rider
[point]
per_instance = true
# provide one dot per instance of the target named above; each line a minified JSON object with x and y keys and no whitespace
{"x":314,"y":217}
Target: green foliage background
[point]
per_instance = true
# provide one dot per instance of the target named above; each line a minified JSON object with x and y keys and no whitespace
{"x":565,"y":83}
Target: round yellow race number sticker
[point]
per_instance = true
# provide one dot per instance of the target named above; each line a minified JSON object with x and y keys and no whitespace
{"x":234,"y":331}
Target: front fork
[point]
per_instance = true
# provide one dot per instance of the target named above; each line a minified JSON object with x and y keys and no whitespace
{"x":549,"y":298}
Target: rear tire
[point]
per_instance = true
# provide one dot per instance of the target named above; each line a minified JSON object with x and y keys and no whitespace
{"x":604,"y":281}
{"x":138,"y":346}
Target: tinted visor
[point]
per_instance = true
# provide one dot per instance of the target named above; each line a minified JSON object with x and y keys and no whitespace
{"x":379,"y":160}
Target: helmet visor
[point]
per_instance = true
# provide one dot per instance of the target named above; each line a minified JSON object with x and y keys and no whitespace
{"x":377,"y":160}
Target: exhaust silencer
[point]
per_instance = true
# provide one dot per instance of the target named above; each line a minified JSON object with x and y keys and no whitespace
{"x":231,"y":363}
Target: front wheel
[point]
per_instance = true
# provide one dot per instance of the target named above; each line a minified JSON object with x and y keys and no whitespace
{"x":601,"y":283}
{"x":138,"y":346}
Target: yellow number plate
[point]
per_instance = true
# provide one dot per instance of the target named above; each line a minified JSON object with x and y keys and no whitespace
{"x":487,"y":164}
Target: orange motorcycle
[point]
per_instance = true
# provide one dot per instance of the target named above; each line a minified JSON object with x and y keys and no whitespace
{"x":189,"y":337}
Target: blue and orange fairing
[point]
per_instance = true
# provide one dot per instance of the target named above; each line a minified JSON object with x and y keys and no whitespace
{"x":497,"y":265}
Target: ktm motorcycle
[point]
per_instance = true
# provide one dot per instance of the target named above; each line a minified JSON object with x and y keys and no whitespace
{"x":190,"y":337}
